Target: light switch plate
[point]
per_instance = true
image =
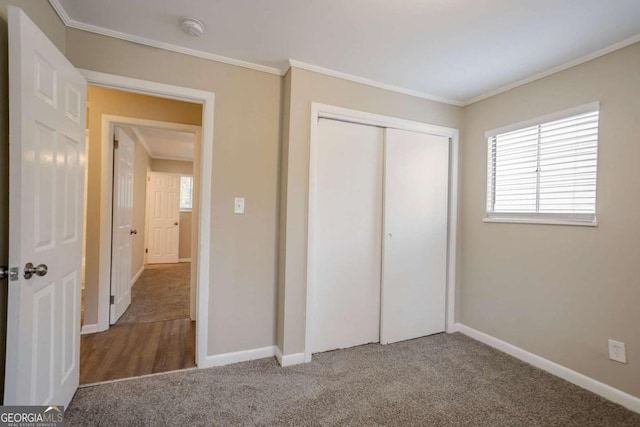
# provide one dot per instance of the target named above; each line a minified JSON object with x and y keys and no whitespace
{"x":238,"y":205}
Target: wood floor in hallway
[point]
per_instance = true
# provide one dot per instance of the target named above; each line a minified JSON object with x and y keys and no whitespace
{"x":139,"y":349}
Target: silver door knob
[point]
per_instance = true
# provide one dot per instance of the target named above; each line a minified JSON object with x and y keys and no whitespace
{"x":134,"y":231}
{"x":4,"y":272}
{"x":30,"y":270}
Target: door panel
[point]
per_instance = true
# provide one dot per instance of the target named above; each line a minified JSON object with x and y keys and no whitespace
{"x":164,"y":217}
{"x":47,"y":161}
{"x":347,"y":229}
{"x":415,"y":235}
{"x":122,"y":224}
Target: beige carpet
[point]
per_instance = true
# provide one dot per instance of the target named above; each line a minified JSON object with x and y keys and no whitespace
{"x":442,"y":380}
{"x":160,"y":293}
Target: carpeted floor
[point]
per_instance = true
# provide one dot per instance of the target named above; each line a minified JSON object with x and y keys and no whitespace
{"x":160,"y":293}
{"x":441,"y":380}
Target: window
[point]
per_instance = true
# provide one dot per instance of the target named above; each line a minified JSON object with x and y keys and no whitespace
{"x":545,"y":172}
{"x":186,"y":193}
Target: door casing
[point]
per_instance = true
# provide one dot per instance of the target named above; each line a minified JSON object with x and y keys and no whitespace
{"x":202,"y":273}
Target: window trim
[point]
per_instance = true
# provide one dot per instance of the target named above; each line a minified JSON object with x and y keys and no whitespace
{"x":582,"y":219}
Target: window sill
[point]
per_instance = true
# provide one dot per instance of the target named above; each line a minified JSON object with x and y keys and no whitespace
{"x":543,"y":221}
{"x":186,"y":210}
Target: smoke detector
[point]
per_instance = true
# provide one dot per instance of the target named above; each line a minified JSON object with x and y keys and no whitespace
{"x":192,"y":26}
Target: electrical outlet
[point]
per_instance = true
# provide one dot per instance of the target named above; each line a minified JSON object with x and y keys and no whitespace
{"x":617,"y":351}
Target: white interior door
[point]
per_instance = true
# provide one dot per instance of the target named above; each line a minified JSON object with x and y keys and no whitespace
{"x":415,"y":235}
{"x":122,"y":225}
{"x":347,"y":225}
{"x":47,"y":150}
{"x":164,"y":217}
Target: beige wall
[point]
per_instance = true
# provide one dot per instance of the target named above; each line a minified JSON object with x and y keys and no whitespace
{"x":111,"y":102}
{"x":559,"y":291}
{"x":172,"y":166}
{"x":183,"y":168}
{"x":141,"y":164}
{"x":184,"y":249}
{"x":308,"y":87}
{"x":45,"y":17}
{"x":245,"y":164}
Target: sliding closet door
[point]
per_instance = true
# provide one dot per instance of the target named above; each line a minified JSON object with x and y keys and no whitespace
{"x":347,"y":228}
{"x":415,"y":235}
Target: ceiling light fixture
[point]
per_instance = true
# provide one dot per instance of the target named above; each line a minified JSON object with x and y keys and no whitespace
{"x":192,"y":26}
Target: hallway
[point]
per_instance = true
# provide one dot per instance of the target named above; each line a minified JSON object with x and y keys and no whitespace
{"x":154,"y":335}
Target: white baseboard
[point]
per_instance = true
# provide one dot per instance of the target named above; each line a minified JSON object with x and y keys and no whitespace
{"x":581,"y":380}
{"x":89,"y":329}
{"x":289,"y":359}
{"x":184,"y":260}
{"x":137,"y":276}
{"x":238,"y":356}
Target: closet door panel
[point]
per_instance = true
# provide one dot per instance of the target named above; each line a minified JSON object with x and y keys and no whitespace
{"x":415,"y":235}
{"x":347,"y":229}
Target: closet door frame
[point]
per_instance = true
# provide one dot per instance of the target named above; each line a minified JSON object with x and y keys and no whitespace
{"x":360,"y":117}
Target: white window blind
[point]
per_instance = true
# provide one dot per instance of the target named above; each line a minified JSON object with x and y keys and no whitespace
{"x":545,"y":171}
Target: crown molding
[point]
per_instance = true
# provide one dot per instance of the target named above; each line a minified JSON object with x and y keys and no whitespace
{"x":565,"y":66}
{"x":369,"y":82}
{"x":64,"y":16}
{"x":71,"y":23}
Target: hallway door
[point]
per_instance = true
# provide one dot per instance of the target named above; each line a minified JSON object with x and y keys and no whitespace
{"x":122,"y":224}
{"x":164,"y":217}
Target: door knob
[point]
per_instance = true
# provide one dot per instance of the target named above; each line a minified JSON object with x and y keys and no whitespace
{"x":133,"y":231}
{"x":175,"y":223}
{"x":4,"y":272}
{"x":30,"y":270}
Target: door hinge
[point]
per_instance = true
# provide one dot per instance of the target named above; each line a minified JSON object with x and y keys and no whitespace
{"x":146,"y":250}
{"x":116,"y":143}
{"x":112,"y":299}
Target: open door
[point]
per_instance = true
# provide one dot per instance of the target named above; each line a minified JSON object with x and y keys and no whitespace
{"x":122,"y":231}
{"x":47,"y":101}
{"x":164,"y":217}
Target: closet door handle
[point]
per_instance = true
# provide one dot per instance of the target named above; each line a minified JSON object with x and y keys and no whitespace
{"x":389,"y":235}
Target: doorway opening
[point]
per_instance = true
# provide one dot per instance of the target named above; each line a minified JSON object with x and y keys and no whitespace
{"x":148,"y":322}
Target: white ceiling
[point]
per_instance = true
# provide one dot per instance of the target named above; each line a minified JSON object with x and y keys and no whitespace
{"x":454,"y":50}
{"x":165,"y":143}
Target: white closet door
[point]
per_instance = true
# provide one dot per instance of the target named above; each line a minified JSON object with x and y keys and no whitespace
{"x":347,"y":225}
{"x":415,"y":235}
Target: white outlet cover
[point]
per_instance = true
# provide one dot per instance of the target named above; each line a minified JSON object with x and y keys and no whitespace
{"x":617,"y":351}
